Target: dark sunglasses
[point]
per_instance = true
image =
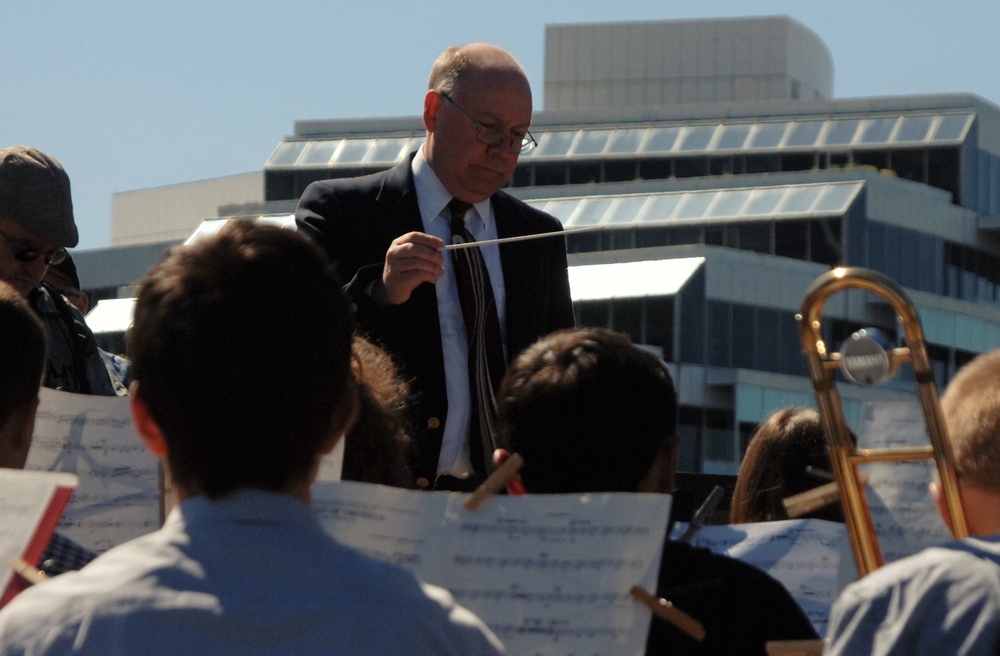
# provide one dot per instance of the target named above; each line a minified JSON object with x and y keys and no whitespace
{"x":24,"y":254}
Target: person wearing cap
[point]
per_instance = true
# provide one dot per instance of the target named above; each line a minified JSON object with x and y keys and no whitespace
{"x":62,"y":278}
{"x":36,"y":227}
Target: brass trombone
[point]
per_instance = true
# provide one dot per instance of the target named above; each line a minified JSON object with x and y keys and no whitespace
{"x":844,"y":456}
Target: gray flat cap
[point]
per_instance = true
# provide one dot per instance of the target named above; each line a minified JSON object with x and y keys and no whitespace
{"x":34,"y":192}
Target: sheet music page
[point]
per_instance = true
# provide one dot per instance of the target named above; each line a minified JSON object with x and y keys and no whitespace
{"x":24,"y":498}
{"x":811,"y":557}
{"x":905,"y":515}
{"x":118,"y":496}
{"x":332,"y":464}
{"x":550,"y":574}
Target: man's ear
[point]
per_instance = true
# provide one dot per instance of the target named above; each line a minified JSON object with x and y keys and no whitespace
{"x":344,"y":415}
{"x":942,"y":505}
{"x":19,"y":429}
{"x":144,"y":423}
{"x":432,"y":101}
{"x":23,"y":440}
{"x":660,"y":477}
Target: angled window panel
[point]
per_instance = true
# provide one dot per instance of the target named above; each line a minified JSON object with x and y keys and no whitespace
{"x":697,"y":138}
{"x":695,"y":205}
{"x":627,"y":141}
{"x":389,"y":150}
{"x":631,"y":279}
{"x":836,"y":199}
{"x":878,"y":130}
{"x":733,"y":137}
{"x":914,"y":129}
{"x":661,"y":208}
{"x":730,"y":203}
{"x":952,"y":127}
{"x":555,"y":144}
{"x":661,"y":140}
{"x":354,"y":151}
{"x":799,"y":200}
{"x":592,"y":211}
{"x":592,"y":142}
{"x":319,"y":153}
{"x":841,"y":132}
{"x":563,"y":209}
{"x":764,"y":202}
{"x":628,"y":209}
{"x":768,"y":135}
{"x":287,"y":153}
{"x":804,"y":134}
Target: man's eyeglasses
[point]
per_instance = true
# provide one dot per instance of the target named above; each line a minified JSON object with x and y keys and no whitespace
{"x":24,"y":254}
{"x":492,"y":137}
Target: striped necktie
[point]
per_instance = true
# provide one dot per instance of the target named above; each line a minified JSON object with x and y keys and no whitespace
{"x":482,"y":326}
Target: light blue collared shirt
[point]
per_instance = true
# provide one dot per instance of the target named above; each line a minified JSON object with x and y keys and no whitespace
{"x":433,"y":199}
{"x":252,"y":573}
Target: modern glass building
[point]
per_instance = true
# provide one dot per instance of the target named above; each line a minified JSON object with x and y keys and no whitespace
{"x":699,"y":222}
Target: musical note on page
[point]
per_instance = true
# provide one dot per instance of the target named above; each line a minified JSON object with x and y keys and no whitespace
{"x":550,"y":574}
{"x":118,"y":495}
{"x":903,"y":512}
{"x":810,"y":557}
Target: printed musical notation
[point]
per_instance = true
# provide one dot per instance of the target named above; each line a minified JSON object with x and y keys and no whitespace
{"x":550,"y":574}
{"x":118,"y":495}
{"x":903,"y":512}
{"x":810,"y":557}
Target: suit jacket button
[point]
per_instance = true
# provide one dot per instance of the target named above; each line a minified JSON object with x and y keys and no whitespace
{"x":433,"y":422}
{"x":422,"y":482}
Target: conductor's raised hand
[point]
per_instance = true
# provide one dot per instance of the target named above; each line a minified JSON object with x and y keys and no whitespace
{"x":412,"y":259}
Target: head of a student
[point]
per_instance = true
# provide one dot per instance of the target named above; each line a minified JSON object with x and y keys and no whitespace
{"x":776,"y":466}
{"x":22,"y":361}
{"x":375,"y":449}
{"x":971,"y":411}
{"x":63,"y":278}
{"x":477,"y":95}
{"x":241,"y":347}
{"x":590,"y":412}
{"x":36,"y":216}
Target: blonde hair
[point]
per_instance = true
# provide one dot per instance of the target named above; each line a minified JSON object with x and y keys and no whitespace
{"x":971,"y":408}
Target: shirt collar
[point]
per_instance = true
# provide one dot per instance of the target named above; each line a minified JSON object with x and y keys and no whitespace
{"x":433,"y":198}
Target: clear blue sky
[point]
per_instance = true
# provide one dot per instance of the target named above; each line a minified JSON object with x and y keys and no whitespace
{"x":130,"y":95}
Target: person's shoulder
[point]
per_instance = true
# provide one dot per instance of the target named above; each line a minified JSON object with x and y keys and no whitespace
{"x":927,"y":570}
{"x":361,"y":184}
{"x":424,"y":616}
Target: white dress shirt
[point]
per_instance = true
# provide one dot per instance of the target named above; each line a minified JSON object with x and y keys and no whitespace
{"x":433,"y":199}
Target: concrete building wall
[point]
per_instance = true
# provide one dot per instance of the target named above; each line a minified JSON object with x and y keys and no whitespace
{"x":173,"y":212}
{"x":681,"y":62}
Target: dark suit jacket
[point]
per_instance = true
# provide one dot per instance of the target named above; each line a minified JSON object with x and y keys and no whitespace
{"x":356,"y":219}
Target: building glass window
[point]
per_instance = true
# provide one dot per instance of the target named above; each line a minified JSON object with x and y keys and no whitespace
{"x":718,"y":435}
{"x":626,"y":317}
{"x":659,"y":325}
{"x":824,"y":242}
{"x":804,"y":134}
{"x":745,"y":337}
{"x":593,"y":314}
{"x":791,"y":239}
{"x":719,"y":325}
{"x":755,"y":236}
